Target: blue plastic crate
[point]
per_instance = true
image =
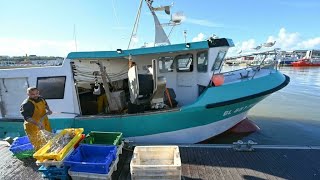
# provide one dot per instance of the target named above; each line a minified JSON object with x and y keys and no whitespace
{"x":91,"y":158}
{"x":21,"y":144}
{"x":55,"y":177}
{"x":53,"y":171}
{"x":21,"y":140}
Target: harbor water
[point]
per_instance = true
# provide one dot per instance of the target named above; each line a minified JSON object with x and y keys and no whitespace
{"x":288,"y":117}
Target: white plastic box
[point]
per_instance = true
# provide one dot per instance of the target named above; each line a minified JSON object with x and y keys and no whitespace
{"x":155,"y":162}
{"x":118,"y":99}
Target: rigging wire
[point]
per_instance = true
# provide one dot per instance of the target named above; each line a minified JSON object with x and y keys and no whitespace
{"x":136,"y":24}
{"x":75,"y":37}
{"x":170,"y":32}
{"x":115,"y":13}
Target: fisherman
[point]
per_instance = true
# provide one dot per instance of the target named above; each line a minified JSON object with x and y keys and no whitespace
{"x":131,"y":62}
{"x":34,"y":109}
{"x":102,"y":102}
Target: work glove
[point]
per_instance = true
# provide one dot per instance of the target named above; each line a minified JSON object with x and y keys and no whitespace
{"x":40,"y":126}
{"x":49,"y":112}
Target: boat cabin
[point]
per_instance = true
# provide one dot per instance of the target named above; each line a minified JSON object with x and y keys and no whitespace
{"x":313,"y":55}
{"x":147,"y":79}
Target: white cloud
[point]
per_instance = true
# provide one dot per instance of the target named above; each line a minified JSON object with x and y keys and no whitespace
{"x":284,"y":40}
{"x":310,"y":43}
{"x":248,"y":45}
{"x":245,"y":46}
{"x":200,"y":37}
{"x":18,"y":47}
{"x":292,"y":41}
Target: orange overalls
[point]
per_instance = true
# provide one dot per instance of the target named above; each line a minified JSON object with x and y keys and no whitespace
{"x":32,"y":130}
{"x":102,"y":103}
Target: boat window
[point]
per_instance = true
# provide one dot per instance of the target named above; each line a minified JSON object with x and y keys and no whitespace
{"x":184,"y":63}
{"x":219,"y":60}
{"x":51,"y":87}
{"x":315,"y":54}
{"x":202,"y":61}
{"x":165,"y":64}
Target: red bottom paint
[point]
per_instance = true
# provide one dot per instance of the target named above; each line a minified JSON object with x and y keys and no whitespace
{"x":245,"y":126}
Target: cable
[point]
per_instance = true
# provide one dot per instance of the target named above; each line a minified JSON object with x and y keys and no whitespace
{"x":115,"y":13}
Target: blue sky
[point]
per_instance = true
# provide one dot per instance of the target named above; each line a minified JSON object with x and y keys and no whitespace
{"x":47,"y":27}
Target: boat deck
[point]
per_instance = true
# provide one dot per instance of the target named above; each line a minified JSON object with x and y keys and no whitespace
{"x":206,"y":162}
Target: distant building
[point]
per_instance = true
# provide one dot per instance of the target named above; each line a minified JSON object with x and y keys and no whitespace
{"x":31,"y":60}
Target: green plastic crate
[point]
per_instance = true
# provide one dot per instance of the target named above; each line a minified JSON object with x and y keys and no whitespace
{"x":104,"y":138}
{"x":24,"y":154}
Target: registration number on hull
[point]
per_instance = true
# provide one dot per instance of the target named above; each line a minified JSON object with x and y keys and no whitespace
{"x":237,"y":110}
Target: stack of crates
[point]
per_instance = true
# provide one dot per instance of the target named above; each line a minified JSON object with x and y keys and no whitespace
{"x":52,"y":169}
{"x":53,"y":172}
{"x":92,"y":162}
{"x":43,"y":155}
{"x":156,"y":162}
{"x":22,"y":148}
{"x":105,"y":139}
{"x":52,"y":162}
{"x":109,"y":141}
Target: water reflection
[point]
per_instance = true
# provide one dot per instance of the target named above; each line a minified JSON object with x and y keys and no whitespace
{"x":299,"y":100}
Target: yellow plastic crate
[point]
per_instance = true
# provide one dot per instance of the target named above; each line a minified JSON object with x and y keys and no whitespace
{"x":42,"y":153}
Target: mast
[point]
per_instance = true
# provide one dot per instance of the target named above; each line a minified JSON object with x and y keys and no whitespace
{"x":161,"y":38}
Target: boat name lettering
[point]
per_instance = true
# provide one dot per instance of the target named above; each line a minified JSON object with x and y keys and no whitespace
{"x":240,"y":109}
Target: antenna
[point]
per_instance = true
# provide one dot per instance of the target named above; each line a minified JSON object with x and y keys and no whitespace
{"x":185,"y":36}
{"x":75,"y":36}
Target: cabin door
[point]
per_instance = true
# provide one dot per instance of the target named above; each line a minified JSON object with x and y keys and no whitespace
{"x":186,"y":90}
{"x":13,"y":92}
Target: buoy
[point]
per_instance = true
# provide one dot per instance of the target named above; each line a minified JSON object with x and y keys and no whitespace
{"x":217,"y":79}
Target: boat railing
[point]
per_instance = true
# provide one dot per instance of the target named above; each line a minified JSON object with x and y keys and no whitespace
{"x":271,"y":64}
{"x":265,"y":63}
{"x":262,"y":65}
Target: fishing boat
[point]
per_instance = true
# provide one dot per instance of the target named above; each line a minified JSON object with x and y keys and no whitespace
{"x":169,"y":93}
{"x":286,"y":58}
{"x":312,"y":58}
{"x":241,"y":60}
